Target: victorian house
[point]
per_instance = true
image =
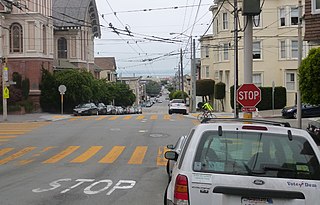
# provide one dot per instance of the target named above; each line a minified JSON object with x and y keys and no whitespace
{"x":49,"y":34}
{"x":312,"y":22}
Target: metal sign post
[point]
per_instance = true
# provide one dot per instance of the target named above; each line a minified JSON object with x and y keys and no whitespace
{"x":62,"y":89}
{"x":5,"y":91}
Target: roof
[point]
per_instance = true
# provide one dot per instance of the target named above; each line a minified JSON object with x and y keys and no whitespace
{"x":73,"y":13}
{"x":105,"y":63}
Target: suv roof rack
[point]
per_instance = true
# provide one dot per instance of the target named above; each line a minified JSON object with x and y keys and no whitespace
{"x":269,"y":122}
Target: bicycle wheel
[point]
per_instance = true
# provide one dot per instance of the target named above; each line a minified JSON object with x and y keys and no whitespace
{"x":211,"y":115}
{"x":200,"y":117}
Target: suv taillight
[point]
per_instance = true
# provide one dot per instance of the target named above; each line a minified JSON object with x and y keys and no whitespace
{"x":181,"y":195}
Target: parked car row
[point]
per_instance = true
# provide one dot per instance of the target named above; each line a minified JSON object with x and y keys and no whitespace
{"x":102,"y":109}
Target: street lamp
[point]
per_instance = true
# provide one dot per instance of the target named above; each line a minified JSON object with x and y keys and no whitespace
{"x":193,"y":70}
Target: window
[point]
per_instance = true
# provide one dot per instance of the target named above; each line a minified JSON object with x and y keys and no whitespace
{"x":207,"y":72}
{"x":256,"y":50}
{"x":207,"y":51}
{"x":16,"y":38}
{"x":225,"y":51}
{"x":294,"y":16}
{"x":244,"y":153}
{"x":256,"y":21}
{"x":294,"y":49}
{"x":62,"y":48}
{"x":282,"y":17}
{"x":290,"y":81}
{"x":256,"y":79}
{"x":225,"y":21}
{"x":283,"y":50}
{"x":44,"y":36}
{"x":315,"y":6}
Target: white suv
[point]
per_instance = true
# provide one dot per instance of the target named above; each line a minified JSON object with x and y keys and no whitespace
{"x":241,"y":163}
{"x":177,"y":106}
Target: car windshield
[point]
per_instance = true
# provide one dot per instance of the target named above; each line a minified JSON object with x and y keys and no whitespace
{"x":261,"y":154}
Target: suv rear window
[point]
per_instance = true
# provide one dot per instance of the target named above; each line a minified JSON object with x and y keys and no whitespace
{"x":258,"y":154}
{"x":177,"y":101}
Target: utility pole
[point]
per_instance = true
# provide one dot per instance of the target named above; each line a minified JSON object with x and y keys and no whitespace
{"x":299,"y":63}
{"x":181,"y":67}
{"x":236,"y":64}
{"x":193,"y":76}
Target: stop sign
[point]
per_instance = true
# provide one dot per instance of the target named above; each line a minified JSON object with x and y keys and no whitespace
{"x":248,"y":95}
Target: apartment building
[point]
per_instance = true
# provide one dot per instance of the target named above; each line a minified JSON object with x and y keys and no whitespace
{"x":312,"y":22}
{"x":275,"y":47}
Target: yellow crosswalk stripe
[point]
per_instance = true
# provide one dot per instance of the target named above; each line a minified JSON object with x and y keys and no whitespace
{"x":112,"y":155}
{"x":7,"y":137}
{"x":12,"y":132}
{"x":138,"y":155}
{"x":154,"y":117}
{"x":4,"y":140}
{"x":114,"y":117}
{"x":167,"y":117}
{"x":161,"y":161}
{"x":61,"y":155}
{"x":87,"y":154}
{"x":17,"y":155}
{"x":5,"y":151}
{"x":101,"y":118}
{"x":140,"y":117}
{"x":27,"y":161}
{"x":127,"y":117}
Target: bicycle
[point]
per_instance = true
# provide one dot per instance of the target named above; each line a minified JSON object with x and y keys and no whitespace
{"x":206,"y":114}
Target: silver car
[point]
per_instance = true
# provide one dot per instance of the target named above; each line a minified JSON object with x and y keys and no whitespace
{"x":231,"y":162}
{"x":176,"y":148}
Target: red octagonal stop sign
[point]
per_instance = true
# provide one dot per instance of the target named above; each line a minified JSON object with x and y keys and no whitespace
{"x":248,"y":95}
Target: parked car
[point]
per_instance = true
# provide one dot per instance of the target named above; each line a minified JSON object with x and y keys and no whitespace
{"x":177,"y":106}
{"x":111,"y":110}
{"x":314,"y":130}
{"x":306,"y":111}
{"x":102,"y":108}
{"x":177,"y":148}
{"x":138,"y":109}
{"x":119,"y":110}
{"x":235,"y":162}
{"x":86,"y":109}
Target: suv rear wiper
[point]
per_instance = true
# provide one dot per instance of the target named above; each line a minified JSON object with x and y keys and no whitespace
{"x":253,"y":172}
{"x":278,"y":168}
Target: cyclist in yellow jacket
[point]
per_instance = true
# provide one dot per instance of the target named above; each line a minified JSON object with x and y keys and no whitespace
{"x":207,"y":107}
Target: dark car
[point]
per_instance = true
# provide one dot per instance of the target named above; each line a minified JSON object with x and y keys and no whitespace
{"x":313,"y":129}
{"x":86,"y":109}
{"x":306,"y":111}
{"x":102,"y":109}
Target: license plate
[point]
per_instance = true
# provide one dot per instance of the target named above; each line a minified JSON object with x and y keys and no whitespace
{"x":255,"y":201}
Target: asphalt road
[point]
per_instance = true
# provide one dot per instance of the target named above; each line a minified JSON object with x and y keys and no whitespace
{"x":114,"y":160}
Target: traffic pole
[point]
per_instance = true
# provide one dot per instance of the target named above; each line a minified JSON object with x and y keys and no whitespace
{"x":248,"y":51}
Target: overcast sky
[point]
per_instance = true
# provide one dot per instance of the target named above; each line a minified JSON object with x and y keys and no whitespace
{"x":150,"y":49}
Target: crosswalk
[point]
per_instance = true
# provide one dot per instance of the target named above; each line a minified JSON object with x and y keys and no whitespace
{"x":73,"y":155}
{"x":10,"y":131}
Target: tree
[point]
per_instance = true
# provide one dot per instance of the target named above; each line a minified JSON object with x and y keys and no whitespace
{"x":220,"y":92}
{"x":122,"y":94}
{"x":205,"y":88}
{"x":153,"y":88}
{"x":49,"y":97}
{"x":309,"y":77}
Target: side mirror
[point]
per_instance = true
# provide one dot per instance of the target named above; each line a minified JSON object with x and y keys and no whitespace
{"x":171,"y":155}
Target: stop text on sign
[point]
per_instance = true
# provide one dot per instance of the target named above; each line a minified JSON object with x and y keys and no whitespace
{"x":248,"y":95}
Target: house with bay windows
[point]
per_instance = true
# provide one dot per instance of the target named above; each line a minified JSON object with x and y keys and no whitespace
{"x":50,"y":34}
{"x":275,"y":47}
